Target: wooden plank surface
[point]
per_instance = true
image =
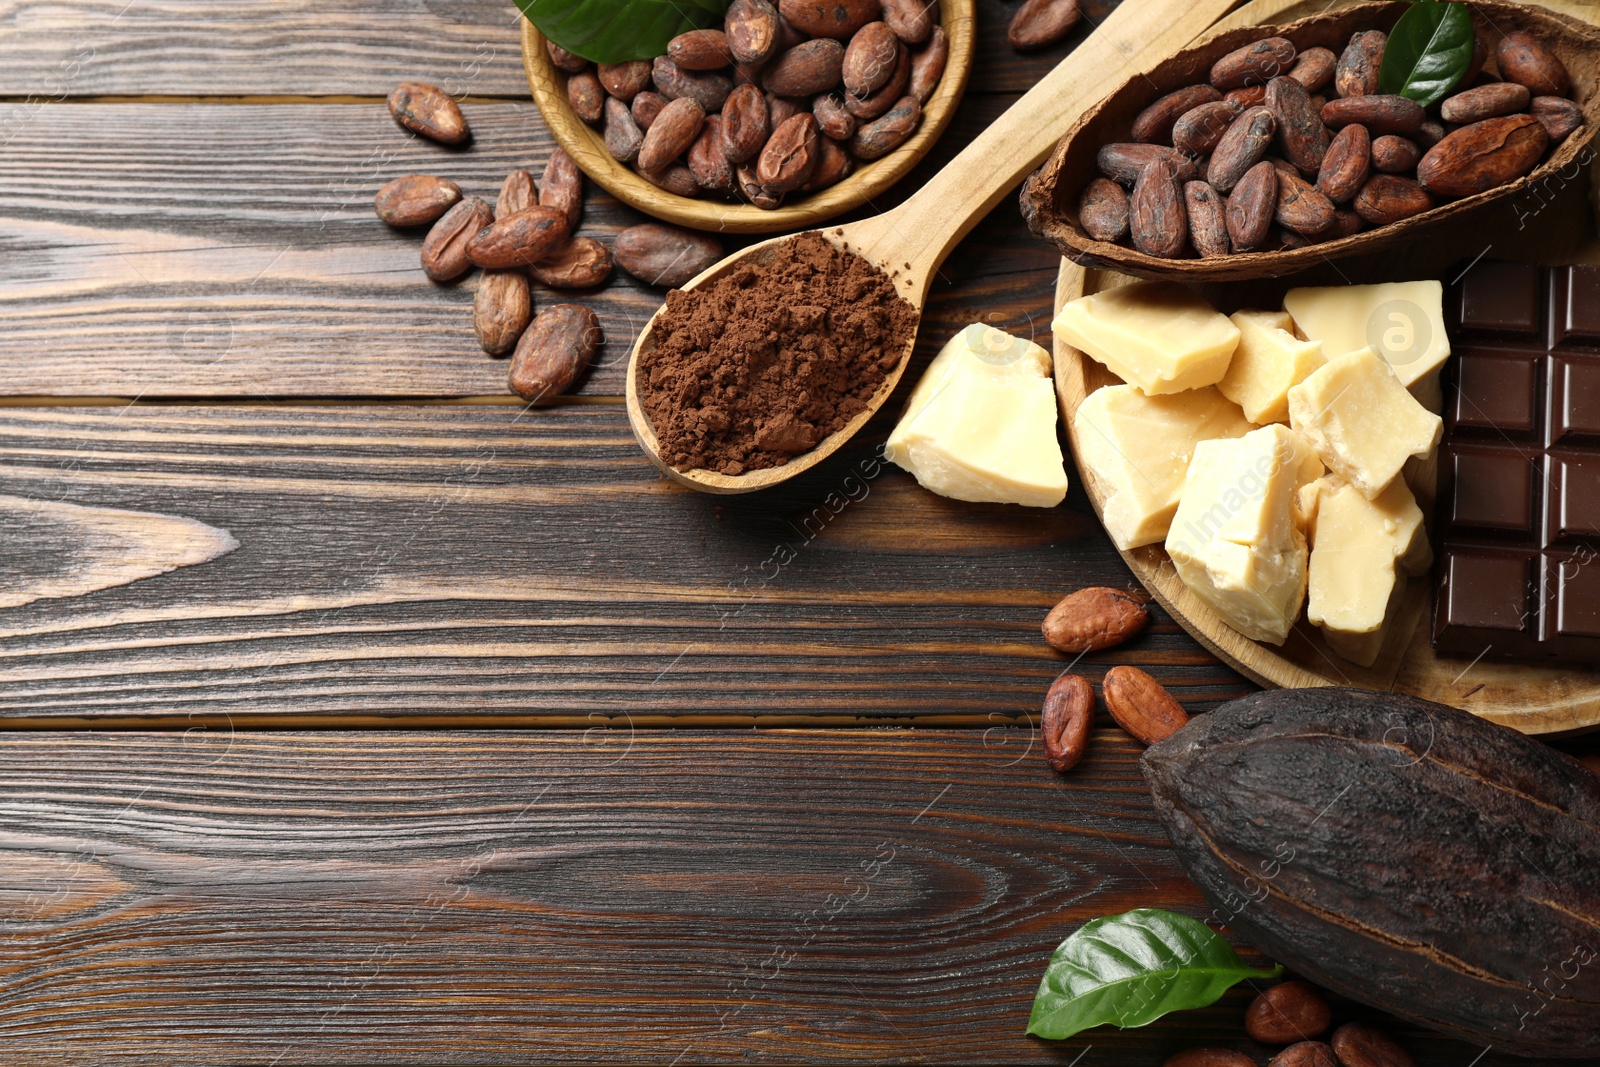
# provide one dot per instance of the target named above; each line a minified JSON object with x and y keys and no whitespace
{"x":491,"y":561}
{"x":556,"y":897}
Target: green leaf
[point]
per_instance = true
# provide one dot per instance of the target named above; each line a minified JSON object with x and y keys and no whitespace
{"x":613,"y":31}
{"x":1131,"y":969}
{"x":1429,"y":50}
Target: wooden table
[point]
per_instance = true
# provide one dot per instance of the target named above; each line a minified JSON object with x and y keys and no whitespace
{"x":457,"y":734}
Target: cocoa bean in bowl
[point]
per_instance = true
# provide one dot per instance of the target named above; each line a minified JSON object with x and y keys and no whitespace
{"x":1349,"y":163}
{"x":877,"y":81}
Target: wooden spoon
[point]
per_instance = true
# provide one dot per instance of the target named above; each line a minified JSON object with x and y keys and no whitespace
{"x":912,"y":240}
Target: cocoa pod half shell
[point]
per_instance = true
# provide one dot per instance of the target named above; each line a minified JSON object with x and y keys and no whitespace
{"x":1439,"y":866}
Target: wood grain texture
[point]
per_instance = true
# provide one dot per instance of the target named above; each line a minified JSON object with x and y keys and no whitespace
{"x":555,"y":897}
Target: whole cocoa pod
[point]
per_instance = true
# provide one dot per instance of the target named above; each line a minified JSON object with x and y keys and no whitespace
{"x":1357,"y":71}
{"x":444,"y":250}
{"x":625,"y":80}
{"x":1301,"y":134}
{"x":1253,"y":64}
{"x":1199,"y":131}
{"x":1042,"y":23}
{"x":668,"y":256}
{"x":1154,"y":124}
{"x":838,"y":19}
{"x":806,"y":69}
{"x":790,"y":155}
{"x":1483,"y":156}
{"x":1094,"y":618}
{"x":586,"y":95}
{"x":1103,"y":213}
{"x":1313,"y":68}
{"x":869,"y":60}
{"x":562,"y":188}
{"x":520,"y":239}
{"x":428,"y":110}
{"x":911,"y":20}
{"x":1347,"y":165}
{"x":1394,"y":155}
{"x":884,"y":134}
{"x":700,"y":50}
{"x":1485,"y":102}
{"x":744,"y":124}
{"x":751,"y":27}
{"x":501,"y":310}
{"x":1379,"y":114}
{"x":1287,"y":1012}
{"x":1251,"y":207}
{"x":415,"y":200}
{"x":1208,"y":227}
{"x":1141,"y":705}
{"x":1125,"y":162}
{"x":554,"y":350}
{"x":1558,"y":116}
{"x":517,"y":193}
{"x":1065,"y":722}
{"x":671,"y":134}
{"x":1526,"y":60}
{"x":1388,"y":198}
{"x":1242,"y":147}
{"x":582,"y":263}
{"x":928,"y":63}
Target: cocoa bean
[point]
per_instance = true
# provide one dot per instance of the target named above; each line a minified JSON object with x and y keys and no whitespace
{"x":1208,"y":226}
{"x":1558,"y":116}
{"x":428,"y":111}
{"x":671,"y":134}
{"x":1314,"y":69}
{"x":1103,"y":214}
{"x":706,"y":88}
{"x":625,"y":80}
{"x":1042,"y":23}
{"x":1526,"y":60}
{"x":1483,"y":156}
{"x":1301,"y":209}
{"x":1480,"y":56}
{"x":1430,"y":134}
{"x":1347,"y":165}
{"x":1394,"y":155}
{"x":520,"y":239}
{"x":806,"y":69}
{"x":582,"y":263}
{"x":751,"y":27}
{"x":790,"y":155}
{"x":622,"y":134}
{"x":1345,"y":224}
{"x":562,"y":188}
{"x":838,"y":19}
{"x":752,"y":190}
{"x":781,"y":109}
{"x":1198,"y":132}
{"x":554,"y":351}
{"x":1364,"y":1045}
{"x":1287,"y":1012}
{"x":1158,"y":220}
{"x":647,"y":104}
{"x":444,"y":250}
{"x":1094,"y":618}
{"x":1485,"y":102}
{"x":1359,"y":64}
{"x":833,"y":165}
{"x":564,"y":60}
{"x":1242,"y":147}
{"x":911,"y":20}
{"x":1141,"y":705}
{"x":747,"y":74}
{"x":501,"y":310}
{"x":1248,"y":97}
{"x":586,"y":95}
{"x":744,"y":124}
{"x":1388,"y":198}
{"x":668,"y":256}
{"x":927,"y":65}
{"x":1379,"y":114}
{"x":870,"y":58}
{"x":1251,"y":207}
{"x":1253,"y":64}
{"x":1208,"y":1057}
{"x":883,"y":135}
{"x":1154,"y":124}
{"x":675,"y":178}
{"x":1065,"y":722}
{"x":1305,"y":1054}
{"x":1301,"y":134}
{"x":700,"y":50}
{"x":833,"y":118}
{"x":416,"y":200}
{"x":1124,"y":162}
{"x":707,"y":162}
{"x":870,"y":107}
{"x":517,"y":193}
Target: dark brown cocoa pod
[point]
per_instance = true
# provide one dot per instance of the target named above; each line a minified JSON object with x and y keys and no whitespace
{"x":668,"y":256}
{"x":838,"y":19}
{"x":911,"y":20}
{"x":1251,"y":207}
{"x":646,"y":105}
{"x":833,"y":118}
{"x":790,"y":155}
{"x":1528,"y":61}
{"x":444,"y":250}
{"x":1301,"y":209}
{"x":1042,"y":23}
{"x":700,"y":50}
{"x":1485,"y":102}
{"x":1364,"y":1045}
{"x":1360,"y":63}
{"x":562,"y":188}
{"x":806,"y":69}
{"x":625,"y":80}
{"x":1154,"y":124}
{"x":520,"y":239}
{"x":582,"y":263}
{"x":1388,"y":198}
{"x":707,"y":162}
{"x":1066,"y":722}
{"x":833,"y":165}
{"x":563,"y":60}
{"x":751,"y":27}
{"x":884,"y":134}
{"x":1287,"y":1012}
{"x":1347,"y":165}
{"x":1253,"y":64}
{"x":1103,"y":210}
{"x":707,"y":88}
{"x":586,"y":96}
{"x":622,"y":134}
{"x":1314,"y":69}
{"x":1305,"y":1054}
{"x":1483,"y":156}
{"x":1379,"y":114}
{"x":1124,"y":162}
{"x":1301,"y":134}
{"x":518,"y":192}
{"x":416,"y":200}
{"x":1248,"y":97}
{"x":870,"y":58}
{"x":501,"y":309}
{"x":1242,"y":147}
{"x":428,"y":110}
{"x":744,"y":126}
{"x":1394,"y":155}
{"x":1157,"y":219}
{"x":866,"y":108}
{"x":671,"y":134}
{"x":1557,"y":115}
{"x":1208,"y":226}
{"x":674,"y":178}
{"x":927,"y":65}
{"x":554,"y":351}
{"x":1199,"y":131}
{"x":752,"y":190}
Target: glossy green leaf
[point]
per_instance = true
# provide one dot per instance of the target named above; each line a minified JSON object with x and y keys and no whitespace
{"x":613,"y":31}
{"x":1429,"y":50}
{"x":1131,"y":969}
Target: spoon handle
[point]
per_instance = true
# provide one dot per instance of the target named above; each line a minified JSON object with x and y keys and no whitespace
{"x":1135,"y":37}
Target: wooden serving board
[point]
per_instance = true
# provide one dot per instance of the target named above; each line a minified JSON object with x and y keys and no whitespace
{"x":1534,"y":699}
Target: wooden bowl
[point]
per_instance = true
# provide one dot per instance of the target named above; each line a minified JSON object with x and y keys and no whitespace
{"x":1050,"y":197}
{"x":587,"y":147}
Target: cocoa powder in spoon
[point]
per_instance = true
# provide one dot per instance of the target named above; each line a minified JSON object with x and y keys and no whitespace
{"x":763,"y":363}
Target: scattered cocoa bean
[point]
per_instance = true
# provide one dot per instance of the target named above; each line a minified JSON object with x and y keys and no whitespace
{"x":646,"y":105}
{"x":1103,"y":214}
{"x":1557,"y":115}
{"x":586,"y":95}
{"x":1248,"y":97}
{"x":884,"y":134}
{"x":700,"y":50}
{"x":707,"y":88}
{"x":707,"y":161}
{"x":927,"y":65}
{"x":1158,"y":220}
{"x":554,"y":351}
{"x":1526,"y":60}
{"x":668,"y":256}
{"x":1347,"y":165}
{"x":1379,"y":114}
{"x":1287,"y":1012}
{"x":1251,"y":207}
{"x":570,"y":62}
{"x":1482,"y":156}
{"x":1388,"y":198}
{"x":1394,"y":155}
{"x":562,"y":188}
{"x":1305,"y":1054}
{"x":517,"y":193}
{"x":1242,"y":147}
{"x":622,"y":134}
{"x":911,"y":20}
{"x":833,"y":165}
{"x":806,"y":69}
{"x":444,"y":250}
{"x":870,"y":58}
{"x":675,"y":178}
{"x":870,"y":107}
{"x":833,"y":118}
{"x":744,"y":124}
{"x":582,"y":263}
{"x":1123,"y":162}
{"x":838,"y":19}
{"x":1485,"y":102}
{"x":1357,"y":71}
{"x":1301,"y":134}
{"x":1042,"y":23}
{"x":1065,"y":722}
{"x":1198,"y":132}
{"x":751,"y":27}
{"x":790,"y":155}
{"x":1301,"y":209}
{"x":501,"y":310}
{"x":1154,"y":124}
{"x":1314,"y":69}
{"x":428,"y":111}
{"x":520,"y":239}
{"x":1094,"y":618}
{"x":1208,"y":226}
{"x":1364,"y":1045}
{"x":1141,"y":705}
{"x":625,"y":80}
{"x":1254,"y":64}
{"x":671,"y":134}
{"x":416,"y":200}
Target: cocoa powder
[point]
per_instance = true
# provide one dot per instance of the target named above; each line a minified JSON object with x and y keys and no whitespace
{"x":760,"y":365}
